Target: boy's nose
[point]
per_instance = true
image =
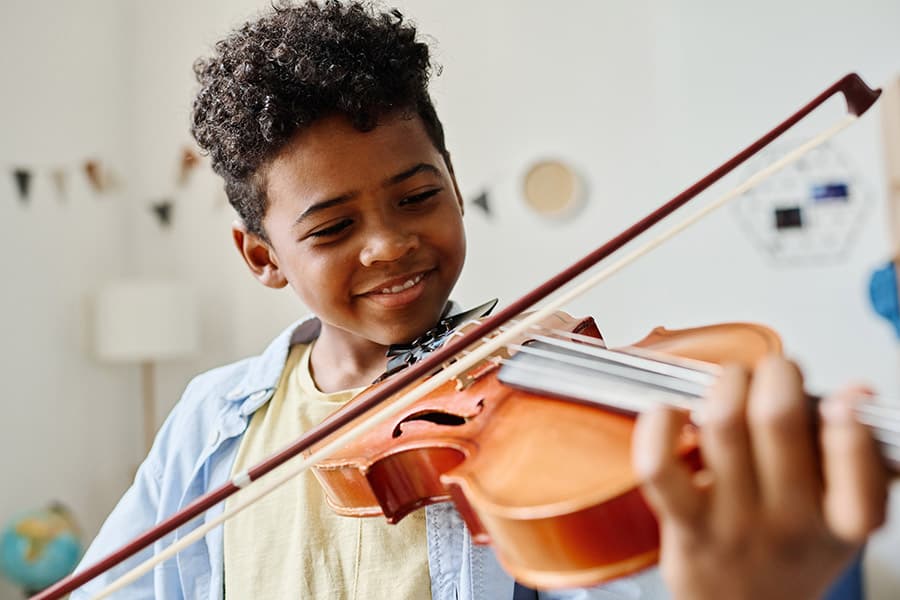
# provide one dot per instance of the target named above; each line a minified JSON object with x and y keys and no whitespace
{"x":387,"y":245}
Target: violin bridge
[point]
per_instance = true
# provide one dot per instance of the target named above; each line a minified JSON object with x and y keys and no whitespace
{"x":464,"y":380}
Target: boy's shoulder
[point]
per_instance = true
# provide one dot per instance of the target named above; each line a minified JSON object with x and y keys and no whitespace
{"x":243,"y":378}
{"x":216,"y":402}
{"x":213,"y":389}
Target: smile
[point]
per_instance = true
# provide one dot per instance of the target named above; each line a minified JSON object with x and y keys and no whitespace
{"x":399,"y":292}
{"x":404,"y":286}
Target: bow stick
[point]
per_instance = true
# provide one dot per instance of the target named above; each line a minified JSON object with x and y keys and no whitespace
{"x":859,"y":98}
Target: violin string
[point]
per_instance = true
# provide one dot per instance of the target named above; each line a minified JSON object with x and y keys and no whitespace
{"x":884,"y":421}
{"x":628,"y":398}
{"x":644,"y":363}
{"x":875,"y":407}
{"x":883,"y":416}
{"x":599,"y":350}
{"x":635,"y":401}
{"x":688,"y":363}
{"x":406,"y":399}
{"x":613,"y":368}
{"x":878,"y":409}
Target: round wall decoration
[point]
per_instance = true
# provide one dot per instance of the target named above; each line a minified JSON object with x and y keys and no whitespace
{"x":552,"y":188}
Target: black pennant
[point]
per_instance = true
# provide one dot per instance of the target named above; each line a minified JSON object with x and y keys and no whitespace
{"x":482,"y":201}
{"x":163,"y":212}
{"x":23,"y":182}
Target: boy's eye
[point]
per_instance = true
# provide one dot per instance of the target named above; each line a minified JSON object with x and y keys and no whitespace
{"x":332,"y":230}
{"x":419,"y":198}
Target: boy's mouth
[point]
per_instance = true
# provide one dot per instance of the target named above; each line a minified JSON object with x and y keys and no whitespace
{"x":399,"y":291}
{"x":396,"y":289}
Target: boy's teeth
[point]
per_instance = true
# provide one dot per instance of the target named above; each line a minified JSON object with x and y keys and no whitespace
{"x":405,"y":286}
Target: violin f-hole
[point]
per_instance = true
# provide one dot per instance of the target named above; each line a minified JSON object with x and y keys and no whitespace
{"x":438,"y":417}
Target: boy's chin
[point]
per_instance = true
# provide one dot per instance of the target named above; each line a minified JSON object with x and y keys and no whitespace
{"x":397,"y":336}
{"x":401,"y":334}
{"x":396,"y":331}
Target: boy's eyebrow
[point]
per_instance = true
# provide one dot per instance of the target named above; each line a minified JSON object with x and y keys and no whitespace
{"x":322,"y":206}
{"x":419,"y":168}
{"x":393,"y":180}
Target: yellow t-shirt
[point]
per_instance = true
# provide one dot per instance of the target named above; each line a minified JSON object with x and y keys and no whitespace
{"x":290,"y":544}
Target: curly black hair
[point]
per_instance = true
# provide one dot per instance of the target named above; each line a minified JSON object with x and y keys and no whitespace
{"x":279,"y":74}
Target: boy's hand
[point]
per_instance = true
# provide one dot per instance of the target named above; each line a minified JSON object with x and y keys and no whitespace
{"x":775,"y":513}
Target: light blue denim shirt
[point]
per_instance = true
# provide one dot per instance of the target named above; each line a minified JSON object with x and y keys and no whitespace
{"x":194,"y":452}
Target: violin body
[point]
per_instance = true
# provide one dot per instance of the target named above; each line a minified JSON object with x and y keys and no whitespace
{"x":547,"y":481}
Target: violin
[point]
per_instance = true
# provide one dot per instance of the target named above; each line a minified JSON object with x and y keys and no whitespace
{"x":543,"y":470}
{"x":540,"y":467}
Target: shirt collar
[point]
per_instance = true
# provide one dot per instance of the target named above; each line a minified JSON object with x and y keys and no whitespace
{"x":263,"y":371}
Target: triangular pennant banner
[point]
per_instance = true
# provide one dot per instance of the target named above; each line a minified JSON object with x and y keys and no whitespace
{"x":163,"y":212}
{"x":59,"y":177}
{"x":23,"y":182}
{"x":186,"y":166}
{"x":483,"y":202}
{"x":95,"y":175}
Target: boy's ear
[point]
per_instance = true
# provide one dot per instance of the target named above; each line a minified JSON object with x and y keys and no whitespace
{"x":258,"y":255}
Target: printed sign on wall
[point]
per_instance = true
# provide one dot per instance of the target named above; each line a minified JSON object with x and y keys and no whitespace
{"x":809,"y":211}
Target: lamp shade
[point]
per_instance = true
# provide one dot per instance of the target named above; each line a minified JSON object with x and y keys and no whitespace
{"x":142,"y":320}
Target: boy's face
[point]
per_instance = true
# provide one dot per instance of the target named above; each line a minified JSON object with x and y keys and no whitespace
{"x":366,"y":227}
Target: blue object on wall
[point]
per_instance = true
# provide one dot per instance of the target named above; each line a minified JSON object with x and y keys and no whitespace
{"x":830,"y":192}
{"x":883,"y":294}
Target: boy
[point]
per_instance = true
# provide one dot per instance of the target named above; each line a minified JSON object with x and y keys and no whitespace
{"x":319,"y":120}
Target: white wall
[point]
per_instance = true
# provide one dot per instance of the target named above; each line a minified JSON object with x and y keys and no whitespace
{"x":643,"y":97}
{"x":70,"y":428}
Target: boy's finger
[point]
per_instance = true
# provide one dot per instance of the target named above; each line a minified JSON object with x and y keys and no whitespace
{"x":855,"y":478}
{"x":726,"y":449}
{"x":666,"y":481}
{"x":783,"y":443}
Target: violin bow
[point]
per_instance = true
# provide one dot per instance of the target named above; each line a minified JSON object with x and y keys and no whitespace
{"x":336,"y":431}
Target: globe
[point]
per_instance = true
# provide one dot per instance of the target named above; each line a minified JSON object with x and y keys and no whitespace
{"x":39,"y":547}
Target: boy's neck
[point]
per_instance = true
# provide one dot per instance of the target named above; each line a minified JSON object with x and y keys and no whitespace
{"x":339,"y":362}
